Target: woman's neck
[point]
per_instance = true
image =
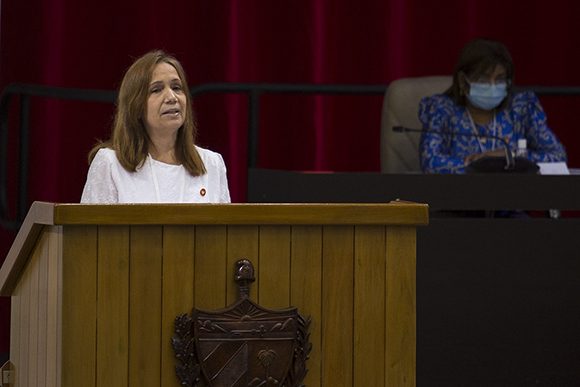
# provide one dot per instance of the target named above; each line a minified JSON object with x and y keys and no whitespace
{"x":163,"y":150}
{"x":480,"y":116}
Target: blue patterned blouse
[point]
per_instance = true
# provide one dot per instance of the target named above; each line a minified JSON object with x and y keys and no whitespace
{"x":522,"y":118}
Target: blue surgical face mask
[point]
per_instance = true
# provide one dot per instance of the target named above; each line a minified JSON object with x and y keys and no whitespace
{"x":487,"y":96}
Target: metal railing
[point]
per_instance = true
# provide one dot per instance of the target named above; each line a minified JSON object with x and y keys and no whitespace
{"x":25,"y":92}
{"x":253,"y":91}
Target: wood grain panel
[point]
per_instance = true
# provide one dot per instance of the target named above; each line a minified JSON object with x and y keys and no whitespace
{"x":79,"y":300}
{"x":369,"y":306}
{"x":16,"y":320}
{"x":178,"y":256}
{"x":401,"y":307}
{"x":210,"y":267}
{"x":113,"y":306}
{"x":274,"y":270}
{"x":337,"y":305}
{"x":23,"y":292}
{"x":145,"y":306}
{"x":243,"y":242}
{"x":54,"y":308}
{"x":43,"y":355}
{"x":306,"y":289}
{"x":33,"y":278}
{"x":101,"y":301}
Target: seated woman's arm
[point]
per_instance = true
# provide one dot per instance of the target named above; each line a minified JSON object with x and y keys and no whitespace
{"x":543,"y":145}
{"x":436,"y":151}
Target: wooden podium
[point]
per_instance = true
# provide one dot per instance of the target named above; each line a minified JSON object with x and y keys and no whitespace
{"x":96,"y":288}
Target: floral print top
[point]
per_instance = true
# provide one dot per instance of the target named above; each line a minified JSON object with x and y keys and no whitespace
{"x":523,"y":117}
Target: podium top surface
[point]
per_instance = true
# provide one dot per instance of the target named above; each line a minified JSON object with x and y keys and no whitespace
{"x":393,"y":213}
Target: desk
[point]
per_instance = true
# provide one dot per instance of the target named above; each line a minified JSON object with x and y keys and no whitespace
{"x":497,"y":299}
{"x":441,"y":192}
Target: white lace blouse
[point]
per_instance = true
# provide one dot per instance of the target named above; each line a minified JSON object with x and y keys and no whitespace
{"x":155,"y":181}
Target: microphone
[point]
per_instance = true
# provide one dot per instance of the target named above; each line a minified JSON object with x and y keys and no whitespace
{"x":509,"y":159}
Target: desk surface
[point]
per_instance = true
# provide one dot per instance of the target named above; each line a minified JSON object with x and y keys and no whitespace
{"x":441,"y":192}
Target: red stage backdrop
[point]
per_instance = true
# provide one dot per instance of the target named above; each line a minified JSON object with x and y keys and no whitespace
{"x":71,"y":43}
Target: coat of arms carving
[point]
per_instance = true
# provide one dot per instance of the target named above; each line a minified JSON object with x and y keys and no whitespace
{"x":243,"y":344}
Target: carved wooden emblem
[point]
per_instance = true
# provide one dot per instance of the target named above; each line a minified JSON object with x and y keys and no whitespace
{"x":243,"y":344}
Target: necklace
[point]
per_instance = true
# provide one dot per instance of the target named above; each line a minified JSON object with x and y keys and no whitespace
{"x":156,"y":182}
{"x":478,"y":136}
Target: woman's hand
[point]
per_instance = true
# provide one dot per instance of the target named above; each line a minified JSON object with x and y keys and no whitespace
{"x":476,"y":156}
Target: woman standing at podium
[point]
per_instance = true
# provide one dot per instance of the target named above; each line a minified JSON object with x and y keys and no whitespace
{"x":151,"y":156}
{"x":474,"y":117}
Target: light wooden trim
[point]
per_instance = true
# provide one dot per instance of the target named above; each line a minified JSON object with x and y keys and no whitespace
{"x":399,"y":213}
{"x":40,"y":214}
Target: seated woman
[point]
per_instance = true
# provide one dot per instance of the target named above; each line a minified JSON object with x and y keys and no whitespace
{"x":481,"y":105}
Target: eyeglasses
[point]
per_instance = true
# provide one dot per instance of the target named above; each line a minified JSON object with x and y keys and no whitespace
{"x":494,"y":77}
{"x":489,"y":80}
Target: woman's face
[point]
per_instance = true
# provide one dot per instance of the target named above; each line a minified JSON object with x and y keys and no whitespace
{"x":166,"y":104}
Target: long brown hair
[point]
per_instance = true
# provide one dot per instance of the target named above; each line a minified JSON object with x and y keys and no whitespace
{"x":129,"y":138}
{"x":478,"y":57}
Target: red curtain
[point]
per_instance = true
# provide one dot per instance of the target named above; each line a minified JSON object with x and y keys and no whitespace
{"x":70,"y":43}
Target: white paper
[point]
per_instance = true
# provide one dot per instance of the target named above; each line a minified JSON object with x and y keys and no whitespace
{"x":559,"y":168}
